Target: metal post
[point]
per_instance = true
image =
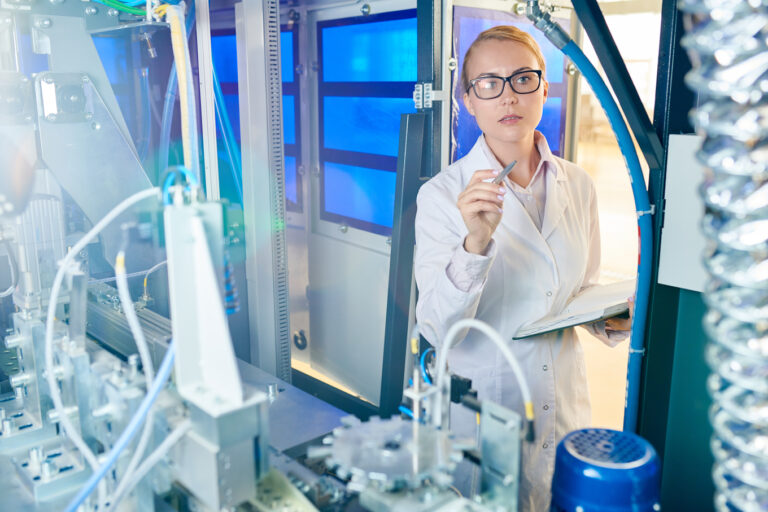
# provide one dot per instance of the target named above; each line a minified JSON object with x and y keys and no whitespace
{"x":207,"y":108}
{"x":410,"y":164}
{"x":257,"y":29}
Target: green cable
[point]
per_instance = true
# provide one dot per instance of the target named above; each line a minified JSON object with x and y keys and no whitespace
{"x":122,"y":7}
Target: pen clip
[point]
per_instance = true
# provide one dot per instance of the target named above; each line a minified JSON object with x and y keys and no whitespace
{"x":503,"y":174}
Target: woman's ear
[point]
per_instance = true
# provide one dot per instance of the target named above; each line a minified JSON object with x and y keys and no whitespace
{"x":468,"y":104}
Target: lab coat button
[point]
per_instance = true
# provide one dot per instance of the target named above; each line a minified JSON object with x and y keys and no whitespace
{"x":545,"y":367}
{"x":545,"y":445}
{"x":549,"y":293}
{"x":546,"y":407}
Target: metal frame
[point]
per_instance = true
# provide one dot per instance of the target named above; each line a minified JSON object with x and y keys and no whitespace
{"x":258,"y":62}
{"x":207,"y":108}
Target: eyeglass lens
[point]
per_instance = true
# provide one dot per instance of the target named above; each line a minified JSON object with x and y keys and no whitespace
{"x":492,"y":86}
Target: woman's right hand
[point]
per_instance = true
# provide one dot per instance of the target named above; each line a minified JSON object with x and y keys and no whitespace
{"x":481,"y":205}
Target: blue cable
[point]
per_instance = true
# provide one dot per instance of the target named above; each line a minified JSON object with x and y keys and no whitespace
{"x":423,"y":365}
{"x":403,"y":409}
{"x":645,"y":226}
{"x":163,"y":373}
{"x":230,"y":142}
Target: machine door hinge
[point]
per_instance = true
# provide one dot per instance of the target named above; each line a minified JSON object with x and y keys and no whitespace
{"x":424,"y":95}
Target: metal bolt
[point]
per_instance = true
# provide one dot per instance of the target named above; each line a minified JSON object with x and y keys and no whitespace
{"x":112,"y":12}
{"x":519,"y":9}
{"x":315,"y":66}
{"x":43,"y":23}
{"x":51,"y":117}
{"x":91,"y":10}
{"x":293,"y":15}
{"x":343,"y":228}
{"x":89,"y":115}
{"x":572,"y":69}
{"x":302,"y":170}
{"x":452,"y":64}
{"x":365,"y":9}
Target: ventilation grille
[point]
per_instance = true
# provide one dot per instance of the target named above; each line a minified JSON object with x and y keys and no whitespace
{"x":275,"y":93}
{"x":606,"y":447}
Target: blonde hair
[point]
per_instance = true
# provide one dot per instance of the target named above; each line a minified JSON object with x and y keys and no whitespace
{"x":502,"y":33}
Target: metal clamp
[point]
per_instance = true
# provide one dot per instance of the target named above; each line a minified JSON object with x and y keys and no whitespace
{"x":647,"y":212}
{"x":424,"y":95}
{"x":640,"y":351}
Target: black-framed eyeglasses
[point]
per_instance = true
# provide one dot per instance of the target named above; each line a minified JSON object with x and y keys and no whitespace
{"x":490,"y":87}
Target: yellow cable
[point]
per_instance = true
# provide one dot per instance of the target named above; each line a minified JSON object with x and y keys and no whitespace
{"x":414,"y":346}
{"x":174,"y":17}
{"x":529,"y":410}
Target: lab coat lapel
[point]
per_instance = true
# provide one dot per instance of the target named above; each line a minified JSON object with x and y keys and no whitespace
{"x":556,"y":202}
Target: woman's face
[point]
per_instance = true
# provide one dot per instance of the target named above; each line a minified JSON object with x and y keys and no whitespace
{"x":511,"y":117}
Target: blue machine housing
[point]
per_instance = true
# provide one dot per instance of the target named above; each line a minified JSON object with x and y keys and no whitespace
{"x":602,"y":470}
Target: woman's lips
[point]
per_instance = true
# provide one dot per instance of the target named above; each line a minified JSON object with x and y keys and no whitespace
{"x":510,"y":119}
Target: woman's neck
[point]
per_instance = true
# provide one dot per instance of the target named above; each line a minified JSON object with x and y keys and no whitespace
{"x":524,"y":151}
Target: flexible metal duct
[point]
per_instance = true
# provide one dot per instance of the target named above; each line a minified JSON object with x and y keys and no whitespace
{"x":726,"y":40}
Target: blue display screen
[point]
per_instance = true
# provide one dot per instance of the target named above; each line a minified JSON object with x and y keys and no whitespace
{"x":224,"y":51}
{"x":366,"y":125}
{"x":291,"y":192}
{"x":289,"y":120}
{"x":286,"y":56}
{"x":470,"y":27}
{"x":382,"y":51}
{"x":360,"y":193}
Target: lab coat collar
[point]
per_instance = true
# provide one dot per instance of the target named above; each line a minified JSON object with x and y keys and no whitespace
{"x":548,"y":162}
{"x":556,"y":200}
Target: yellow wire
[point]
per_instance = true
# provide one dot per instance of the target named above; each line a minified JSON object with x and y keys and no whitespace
{"x":179,"y":56}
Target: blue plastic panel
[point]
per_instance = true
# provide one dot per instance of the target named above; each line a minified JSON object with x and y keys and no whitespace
{"x":224,"y":50}
{"x":289,"y":120}
{"x":286,"y":55}
{"x":360,"y":193}
{"x":365,"y":125}
{"x":550,"y":122}
{"x":471,"y":26}
{"x":381,"y":51}
{"x":232,"y":103}
{"x":290,"y":179}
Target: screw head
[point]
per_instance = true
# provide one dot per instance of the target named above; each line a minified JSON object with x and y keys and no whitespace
{"x":365,"y":9}
{"x":112,"y":12}
{"x":51,"y":117}
{"x":43,"y":23}
{"x":452,"y":64}
{"x":91,"y":10}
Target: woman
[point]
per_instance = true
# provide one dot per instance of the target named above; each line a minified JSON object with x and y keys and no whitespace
{"x":512,"y":253}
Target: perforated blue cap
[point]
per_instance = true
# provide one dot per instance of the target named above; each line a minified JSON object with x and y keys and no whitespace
{"x":601,"y":470}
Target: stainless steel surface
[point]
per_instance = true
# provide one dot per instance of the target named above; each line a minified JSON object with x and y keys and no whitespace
{"x":295,"y":417}
{"x":727,"y":44}
{"x":258,"y":70}
{"x":388,"y":455}
{"x":500,"y":451}
{"x":71,"y":111}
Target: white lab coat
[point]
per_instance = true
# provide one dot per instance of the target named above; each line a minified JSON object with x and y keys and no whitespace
{"x":525,"y":275}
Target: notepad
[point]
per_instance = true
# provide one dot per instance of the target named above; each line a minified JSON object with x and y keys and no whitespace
{"x":593,"y":304}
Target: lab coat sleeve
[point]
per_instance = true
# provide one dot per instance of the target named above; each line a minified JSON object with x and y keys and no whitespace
{"x":597,"y":329}
{"x":449,"y":280}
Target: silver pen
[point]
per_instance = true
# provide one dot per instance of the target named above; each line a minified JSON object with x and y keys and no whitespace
{"x":503,"y":174}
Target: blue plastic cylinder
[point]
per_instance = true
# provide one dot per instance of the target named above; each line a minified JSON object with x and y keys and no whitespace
{"x":602,"y":470}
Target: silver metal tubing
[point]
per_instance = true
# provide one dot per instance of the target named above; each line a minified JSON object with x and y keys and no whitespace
{"x":727,"y":43}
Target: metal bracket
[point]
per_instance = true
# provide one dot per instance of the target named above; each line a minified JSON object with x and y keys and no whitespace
{"x":424,"y":95}
{"x":647,"y":212}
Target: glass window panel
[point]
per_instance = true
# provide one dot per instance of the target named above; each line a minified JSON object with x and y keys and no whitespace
{"x":470,"y":27}
{"x":381,"y":51}
{"x":360,"y":193}
{"x":550,"y":122}
{"x":286,"y":55}
{"x":289,"y":120}
{"x":290,"y":179}
{"x":365,"y":125}
{"x":224,"y":50}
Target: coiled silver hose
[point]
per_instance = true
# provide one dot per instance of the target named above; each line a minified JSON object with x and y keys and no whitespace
{"x":727,"y":42}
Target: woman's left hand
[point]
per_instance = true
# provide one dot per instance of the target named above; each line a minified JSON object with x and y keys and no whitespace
{"x":621,"y":324}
